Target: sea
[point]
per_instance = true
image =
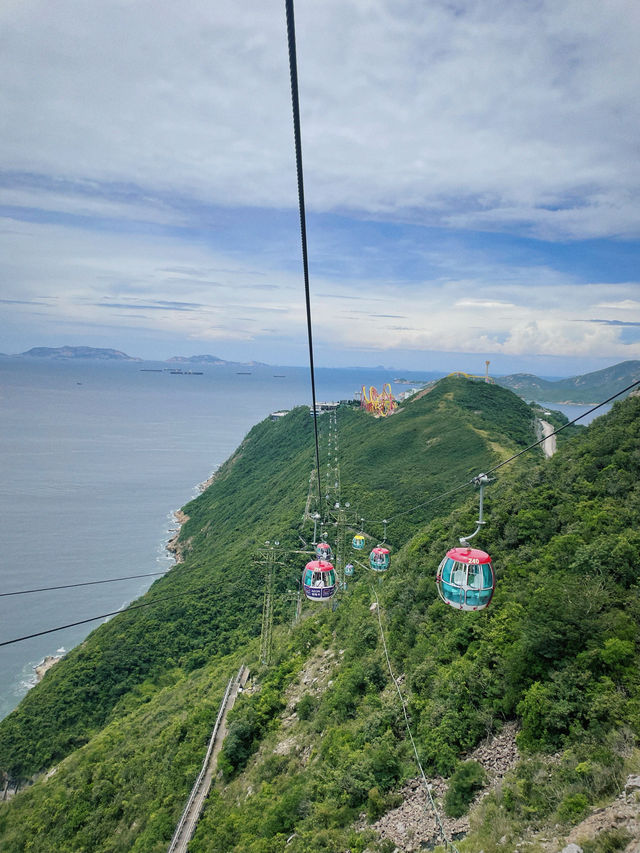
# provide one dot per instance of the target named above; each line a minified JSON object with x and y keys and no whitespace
{"x":96,"y":456}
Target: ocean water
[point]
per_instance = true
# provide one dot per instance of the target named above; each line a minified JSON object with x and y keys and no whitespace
{"x":95,"y":457}
{"x":574,"y":410}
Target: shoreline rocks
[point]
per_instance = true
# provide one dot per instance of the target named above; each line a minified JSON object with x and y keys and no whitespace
{"x":45,"y":665}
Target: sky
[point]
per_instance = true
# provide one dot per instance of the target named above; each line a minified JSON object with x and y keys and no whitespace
{"x":471,"y":177}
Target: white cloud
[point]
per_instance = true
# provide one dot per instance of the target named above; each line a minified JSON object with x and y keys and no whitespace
{"x":442,"y":319}
{"x":483,"y":113}
{"x":623,"y":305}
{"x":59,"y":278}
{"x":482,"y":303}
{"x":177,"y":289}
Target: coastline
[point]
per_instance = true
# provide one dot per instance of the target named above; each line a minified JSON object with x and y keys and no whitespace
{"x":173,"y":546}
{"x":45,"y":665}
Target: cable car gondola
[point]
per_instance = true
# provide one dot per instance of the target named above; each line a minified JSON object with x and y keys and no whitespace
{"x":323,"y":551}
{"x":319,"y":580}
{"x":379,"y":559}
{"x":358,"y":541}
{"x":465,"y":577}
{"x":348,"y":569}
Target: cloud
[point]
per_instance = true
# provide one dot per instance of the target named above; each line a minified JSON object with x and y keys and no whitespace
{"x":160,"y":305}
{"x":388,"y":316}
{"x":617,"y":322}
{"x":485,"y":115}
{"x":73,"y":278}
{"x":452,"y":153}
{"x":23,"y":302}
{"x":480,"y":303}
{"x":623,"y":305}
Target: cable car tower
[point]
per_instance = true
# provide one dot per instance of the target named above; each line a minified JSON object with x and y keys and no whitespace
{"x":269,"y":557}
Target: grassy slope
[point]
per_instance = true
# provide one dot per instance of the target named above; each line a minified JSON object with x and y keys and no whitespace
{"x":160,"y":658}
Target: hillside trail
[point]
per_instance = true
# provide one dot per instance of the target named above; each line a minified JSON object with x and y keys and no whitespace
{"x":200,"y":791}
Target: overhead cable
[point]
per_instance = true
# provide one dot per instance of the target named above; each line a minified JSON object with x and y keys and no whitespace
{"x":82,"y":583}
{"x":448,"y":844}
{"x":102,"y":616}
{"x":295,"y":103}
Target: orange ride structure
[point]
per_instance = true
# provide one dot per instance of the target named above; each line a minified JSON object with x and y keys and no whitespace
{"x":379,"y":404}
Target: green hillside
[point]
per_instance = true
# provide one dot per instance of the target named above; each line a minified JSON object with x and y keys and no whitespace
{"x":587,"y":388}
{"x":124,"y":718}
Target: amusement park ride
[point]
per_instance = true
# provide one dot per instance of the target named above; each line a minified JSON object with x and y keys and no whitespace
{"x":379,"y":404}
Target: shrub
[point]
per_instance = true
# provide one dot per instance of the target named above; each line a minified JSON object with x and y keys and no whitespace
{"x":608,"y":841}
{"x":573,"y":808}
{"x":306,"y":706}
{"x":468,"y":778}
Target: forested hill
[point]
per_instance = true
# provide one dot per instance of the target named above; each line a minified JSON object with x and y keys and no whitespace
{"x":587,"y":388}
{"x":132,"y":707}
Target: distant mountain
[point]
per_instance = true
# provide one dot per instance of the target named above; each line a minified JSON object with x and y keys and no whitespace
{"x":212,"y":360}
{"x":588,"y":388}
{"x":78,"y":352}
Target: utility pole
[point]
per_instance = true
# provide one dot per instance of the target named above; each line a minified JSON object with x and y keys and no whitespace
{"x":269,"y":559}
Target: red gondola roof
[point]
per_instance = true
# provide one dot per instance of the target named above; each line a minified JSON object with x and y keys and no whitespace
{"x":319,"y":566}
{"x":469,"y":555}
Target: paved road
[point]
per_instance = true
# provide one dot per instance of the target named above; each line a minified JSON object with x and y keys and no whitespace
{"x":549,"y":444}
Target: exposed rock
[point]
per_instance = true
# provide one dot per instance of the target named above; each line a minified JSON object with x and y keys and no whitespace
{"x":632,"y":789}
{"x":45,"y":665}
{"x":623,"y":814}
{"x":173,"y":546}
{"x":413,"y":825}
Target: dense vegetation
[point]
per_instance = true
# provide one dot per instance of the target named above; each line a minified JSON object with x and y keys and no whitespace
{"x":319,"y":748}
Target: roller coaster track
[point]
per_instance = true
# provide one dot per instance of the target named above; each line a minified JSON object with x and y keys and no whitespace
{"x":191,"y":814}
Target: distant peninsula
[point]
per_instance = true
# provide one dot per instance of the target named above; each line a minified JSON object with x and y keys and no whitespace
{"x":585,"y":389}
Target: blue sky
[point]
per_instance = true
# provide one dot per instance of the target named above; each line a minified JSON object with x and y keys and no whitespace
{"x":471,"y":176}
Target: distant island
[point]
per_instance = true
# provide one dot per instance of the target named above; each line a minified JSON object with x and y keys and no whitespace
{"x":67,"y":353}
{"x":213,"y":360}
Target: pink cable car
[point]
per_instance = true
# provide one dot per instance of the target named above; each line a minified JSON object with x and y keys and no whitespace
{"x":319,"y":580}
{"x":379,"y":559}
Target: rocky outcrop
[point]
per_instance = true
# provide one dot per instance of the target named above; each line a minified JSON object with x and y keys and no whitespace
{"x":174,"y":546}
{"x":622,"y":816}
{"x":45,"y":665}
{"x":414,"y":826}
